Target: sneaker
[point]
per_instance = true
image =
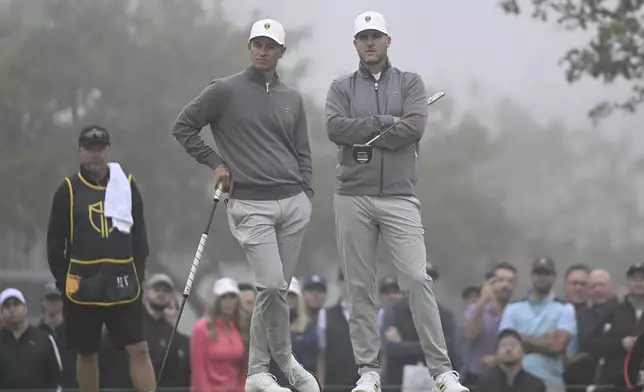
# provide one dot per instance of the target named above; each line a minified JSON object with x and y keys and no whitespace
{"x":448,"y":382}
{"x":263,"y":382}
{"x":368,"y":382}
{"x":299,"y":378}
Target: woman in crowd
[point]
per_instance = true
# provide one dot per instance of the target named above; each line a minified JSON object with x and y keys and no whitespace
{"x":219,"y":343}
{"x":304,"y":340}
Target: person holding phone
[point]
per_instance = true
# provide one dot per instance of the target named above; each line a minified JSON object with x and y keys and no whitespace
{"x":484,"y":316}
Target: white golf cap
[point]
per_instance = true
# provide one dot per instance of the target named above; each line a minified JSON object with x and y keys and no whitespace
{"x":295,"y":287}
{"x":225,"y":286}
{"x":268,"y":28}
{"x":11,"y":293}
{"x":370,"y":20}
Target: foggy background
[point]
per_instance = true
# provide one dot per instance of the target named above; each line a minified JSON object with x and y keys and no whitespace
{"x":511,"y":165}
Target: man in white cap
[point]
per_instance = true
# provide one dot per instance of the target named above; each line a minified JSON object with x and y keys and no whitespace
{"x":259,"y":125}
{"x":377,"y":199}
{"x":29,"y":357}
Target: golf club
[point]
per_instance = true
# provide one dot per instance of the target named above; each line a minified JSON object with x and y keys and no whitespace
{"x":362,"y":153}
{"x":193,"y":272}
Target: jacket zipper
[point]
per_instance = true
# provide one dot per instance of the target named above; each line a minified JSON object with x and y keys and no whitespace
{"x":382,"y":155}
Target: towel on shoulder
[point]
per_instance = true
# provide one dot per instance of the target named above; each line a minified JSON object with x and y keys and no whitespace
{"x":118,"y":199}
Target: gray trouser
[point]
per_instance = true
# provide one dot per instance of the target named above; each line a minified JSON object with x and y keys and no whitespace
{"x":359,"y":222}
{"x":271,"y":234}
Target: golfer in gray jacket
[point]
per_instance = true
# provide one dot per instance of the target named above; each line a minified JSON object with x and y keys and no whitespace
{"x":260,"y":127}
{"x":376,"y":200}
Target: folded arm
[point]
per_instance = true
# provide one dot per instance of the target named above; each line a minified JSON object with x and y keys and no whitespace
{"x":344,"y":130}
{"x":555,"y":342}
{"x":397,"y":349}
{"x":411,"y":126}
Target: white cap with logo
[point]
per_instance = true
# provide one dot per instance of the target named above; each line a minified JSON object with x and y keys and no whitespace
{"x":225,"y":286}
{"x":370,"y":20}
{"x":11,"y":293}
{"x":268,"y":28}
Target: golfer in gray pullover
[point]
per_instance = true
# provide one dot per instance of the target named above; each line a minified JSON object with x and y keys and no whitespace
{"x":377,"y":200}
{"x":264,"y":162}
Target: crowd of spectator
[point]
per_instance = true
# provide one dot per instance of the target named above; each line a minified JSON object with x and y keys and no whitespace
{"x":536,"y":343}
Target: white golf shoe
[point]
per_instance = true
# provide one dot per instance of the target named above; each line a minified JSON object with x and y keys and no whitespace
{"x":299,"y":378}
{"x":368,"y":382}
{"x":263,"y":382}
{"x":448,"y":382}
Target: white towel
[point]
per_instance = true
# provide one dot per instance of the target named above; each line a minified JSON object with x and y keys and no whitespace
{"x":118,"y":199}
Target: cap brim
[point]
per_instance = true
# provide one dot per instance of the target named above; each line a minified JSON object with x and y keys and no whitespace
{"x":543,"y":269}
{"x":85,"y":143}
{"x":12,"y":297}
{"x":161,"y":282}
{"x":370,"y":29}
{"x":277,"y":41}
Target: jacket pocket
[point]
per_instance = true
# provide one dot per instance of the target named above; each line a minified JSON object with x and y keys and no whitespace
{"x":347,"y":168}
{"x":401,"y":170}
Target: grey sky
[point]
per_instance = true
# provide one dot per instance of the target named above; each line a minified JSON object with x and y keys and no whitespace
{"x":455,"y":45}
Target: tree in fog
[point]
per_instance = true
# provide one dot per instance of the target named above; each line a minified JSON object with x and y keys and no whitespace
{"x":615,"y":52}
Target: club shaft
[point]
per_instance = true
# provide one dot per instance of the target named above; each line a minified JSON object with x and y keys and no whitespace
{"x":174,"y":331}
{"x":191,"y":276}
{"x":430,"y":101}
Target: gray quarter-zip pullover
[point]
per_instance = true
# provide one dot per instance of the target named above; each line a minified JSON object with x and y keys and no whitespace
{"x":358,"y":107}
{"x":260,"y":131}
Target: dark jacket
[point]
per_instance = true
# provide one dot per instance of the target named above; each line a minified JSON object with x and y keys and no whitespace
{"x":31,"y":362}
{"x":67,"y":356}
{"x":598,"y":335}
{"x":496,"y":381}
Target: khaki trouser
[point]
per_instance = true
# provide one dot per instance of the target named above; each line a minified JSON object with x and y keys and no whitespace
{"x":271,"y":234}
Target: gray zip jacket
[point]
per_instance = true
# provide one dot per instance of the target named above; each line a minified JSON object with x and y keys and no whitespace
{"x":260,"y":130}
{"x":357,"y":108}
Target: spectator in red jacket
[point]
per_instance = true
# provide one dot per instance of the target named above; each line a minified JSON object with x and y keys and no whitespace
{"x":218,"y":346}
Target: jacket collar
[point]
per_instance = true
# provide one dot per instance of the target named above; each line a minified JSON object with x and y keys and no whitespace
{"x":256,"y":76}
{"x":364,"y":71}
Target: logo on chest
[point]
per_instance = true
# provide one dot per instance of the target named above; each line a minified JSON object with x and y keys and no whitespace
{"x":98,"y":220}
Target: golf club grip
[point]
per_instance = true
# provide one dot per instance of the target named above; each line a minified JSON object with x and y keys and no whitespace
{"x":195,"y":264}
{"x":219,"y":189}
